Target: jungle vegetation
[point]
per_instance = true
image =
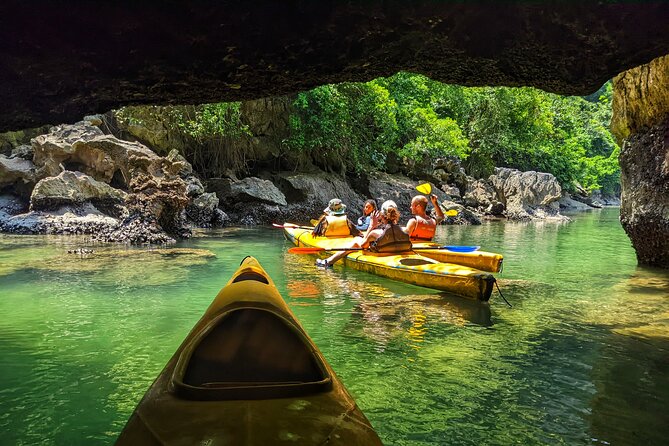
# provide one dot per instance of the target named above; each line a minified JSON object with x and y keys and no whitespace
{"x":354,"y":127}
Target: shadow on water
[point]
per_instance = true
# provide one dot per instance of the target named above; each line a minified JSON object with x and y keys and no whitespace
{"x":631,"y":374}
{"x":413,"y":316}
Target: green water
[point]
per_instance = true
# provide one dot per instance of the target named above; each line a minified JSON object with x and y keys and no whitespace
{"x":581,"y":358}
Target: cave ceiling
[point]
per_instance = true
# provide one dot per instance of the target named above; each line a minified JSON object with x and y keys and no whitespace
{"x":62,"y":60}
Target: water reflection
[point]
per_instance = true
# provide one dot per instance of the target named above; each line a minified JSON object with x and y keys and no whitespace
{"x":582,"y":357}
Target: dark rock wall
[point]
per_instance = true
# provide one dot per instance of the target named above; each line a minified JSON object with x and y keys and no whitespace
{"x":63,"y":60}
{"x":641,"y":121}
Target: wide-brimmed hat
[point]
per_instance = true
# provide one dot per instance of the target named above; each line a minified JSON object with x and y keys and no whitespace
{"x":335,"y":207}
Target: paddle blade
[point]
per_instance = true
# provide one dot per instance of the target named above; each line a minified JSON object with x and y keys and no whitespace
{"x":305,"y":250}
{"x":461,"y":248}
{"x":451,"y":213}
{"x":425,"y":188}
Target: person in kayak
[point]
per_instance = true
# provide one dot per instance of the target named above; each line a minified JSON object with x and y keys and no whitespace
{"x":387,"y":237}
{"x":422,"y":227}
{"x":334,"y":222}
{"x":367,"y":211}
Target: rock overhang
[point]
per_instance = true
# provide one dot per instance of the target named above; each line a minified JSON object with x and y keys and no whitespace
{"x":61,"y":61}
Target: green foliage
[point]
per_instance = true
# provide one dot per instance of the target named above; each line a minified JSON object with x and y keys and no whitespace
{"x":209,"y":121}
{"x":353,"y":127}
{"x":207,"y":134}
{"x":346,"y":127}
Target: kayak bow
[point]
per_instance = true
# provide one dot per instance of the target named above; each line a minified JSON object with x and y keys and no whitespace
{"x":248,"y":374}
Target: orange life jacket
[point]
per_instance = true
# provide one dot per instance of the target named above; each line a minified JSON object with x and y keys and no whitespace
{"x":424,"y":229}
{"x":393,"y":239}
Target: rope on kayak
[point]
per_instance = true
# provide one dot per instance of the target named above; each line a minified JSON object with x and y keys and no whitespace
{"x":502,"y":295}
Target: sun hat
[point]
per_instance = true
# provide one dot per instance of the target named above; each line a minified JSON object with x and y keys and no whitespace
{"x":335,"y":207}
{"x":388,"y":204}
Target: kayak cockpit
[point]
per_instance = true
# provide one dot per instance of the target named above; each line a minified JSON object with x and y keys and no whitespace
{"x":249,"y":353}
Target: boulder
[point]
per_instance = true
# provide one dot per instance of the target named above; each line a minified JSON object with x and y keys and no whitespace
{"x":16,"y":170}
{"x":204,"y":212}
{"x":398,"y":188}
{"x":527,"y":195}
{"x":84,"y":148}
{"x":567,"y":203}
{"x":452,"y":192}
{"x":23,"y":151}
{"x":247,"y":190}
{"x":479,"y":194}
{"x":464,"y":216}
{"x":318,"y":189}
{"x":72,"y":188}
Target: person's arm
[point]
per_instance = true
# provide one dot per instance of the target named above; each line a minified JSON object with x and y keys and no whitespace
{"x":320,"y":227}
{"x":410,"y":227}
{"x":373,"y":222}
{"x":437,"y":208}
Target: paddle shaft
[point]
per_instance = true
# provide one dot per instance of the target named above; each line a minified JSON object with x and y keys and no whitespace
{"x":312,"y":250}
{"x":276,"y":225}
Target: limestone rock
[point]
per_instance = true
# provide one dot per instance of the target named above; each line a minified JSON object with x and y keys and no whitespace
{"x":527,"y":195}
{"x":640,"y":98}
{"x":204,"y":212}
{"x":16,"y":170}
{"x":644,"y":211}
{"x":641,"y":116}
{"x":70,"y":188}
{"x":464,"y":216}
{"x":398,"y":188}
{"x":567,"y":203}
{"x":84,"y":148}
{"x":479,"y":193}
{"x":185,"y":168}
{"x":252,"y":189}
{"x":23,"y":151}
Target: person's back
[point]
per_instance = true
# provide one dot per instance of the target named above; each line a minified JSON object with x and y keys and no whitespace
{"x":392,"y":239}
{"x":334,"y":222}
{"x":422,"y":227}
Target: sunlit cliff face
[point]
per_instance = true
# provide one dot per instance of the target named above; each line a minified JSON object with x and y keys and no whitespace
{"x":61,"y":61}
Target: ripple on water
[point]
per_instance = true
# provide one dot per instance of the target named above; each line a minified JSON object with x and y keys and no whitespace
{"x":582,"y":354}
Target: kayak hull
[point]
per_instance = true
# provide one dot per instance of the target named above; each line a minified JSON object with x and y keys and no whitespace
{"x":406,"y":267}
{"x":481,"y":260}
{"x":248,"y":374}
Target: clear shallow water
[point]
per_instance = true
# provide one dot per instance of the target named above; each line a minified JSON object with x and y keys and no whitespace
{"x":581,"y":358}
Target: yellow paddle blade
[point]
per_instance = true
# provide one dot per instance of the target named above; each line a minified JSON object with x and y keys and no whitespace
{"x":425,"y":188}
{"x":451,"y":213}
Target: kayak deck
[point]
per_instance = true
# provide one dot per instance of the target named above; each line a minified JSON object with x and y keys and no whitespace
{"x":405,"y":267}
{"x":248,"y":374}
{"x":481,"y":260}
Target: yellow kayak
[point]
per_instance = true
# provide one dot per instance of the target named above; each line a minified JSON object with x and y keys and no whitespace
{"x":481,"y":260}
{"x":248,"y":374}
{"x":405,"y":267}
{"x":484,"y":261}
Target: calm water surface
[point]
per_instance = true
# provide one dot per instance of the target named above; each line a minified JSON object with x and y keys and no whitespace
{"x":581,"y":358}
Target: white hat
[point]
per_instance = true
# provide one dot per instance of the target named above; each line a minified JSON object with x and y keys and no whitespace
{"x":388,"y":204}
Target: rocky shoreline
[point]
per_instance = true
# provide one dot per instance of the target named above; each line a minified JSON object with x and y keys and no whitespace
{"x":76,"y":179}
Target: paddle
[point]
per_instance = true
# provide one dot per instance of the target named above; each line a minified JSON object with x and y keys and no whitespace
{"x":290,"y":225}
{"x":426,"y":189}
{"x":315,"y":249}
